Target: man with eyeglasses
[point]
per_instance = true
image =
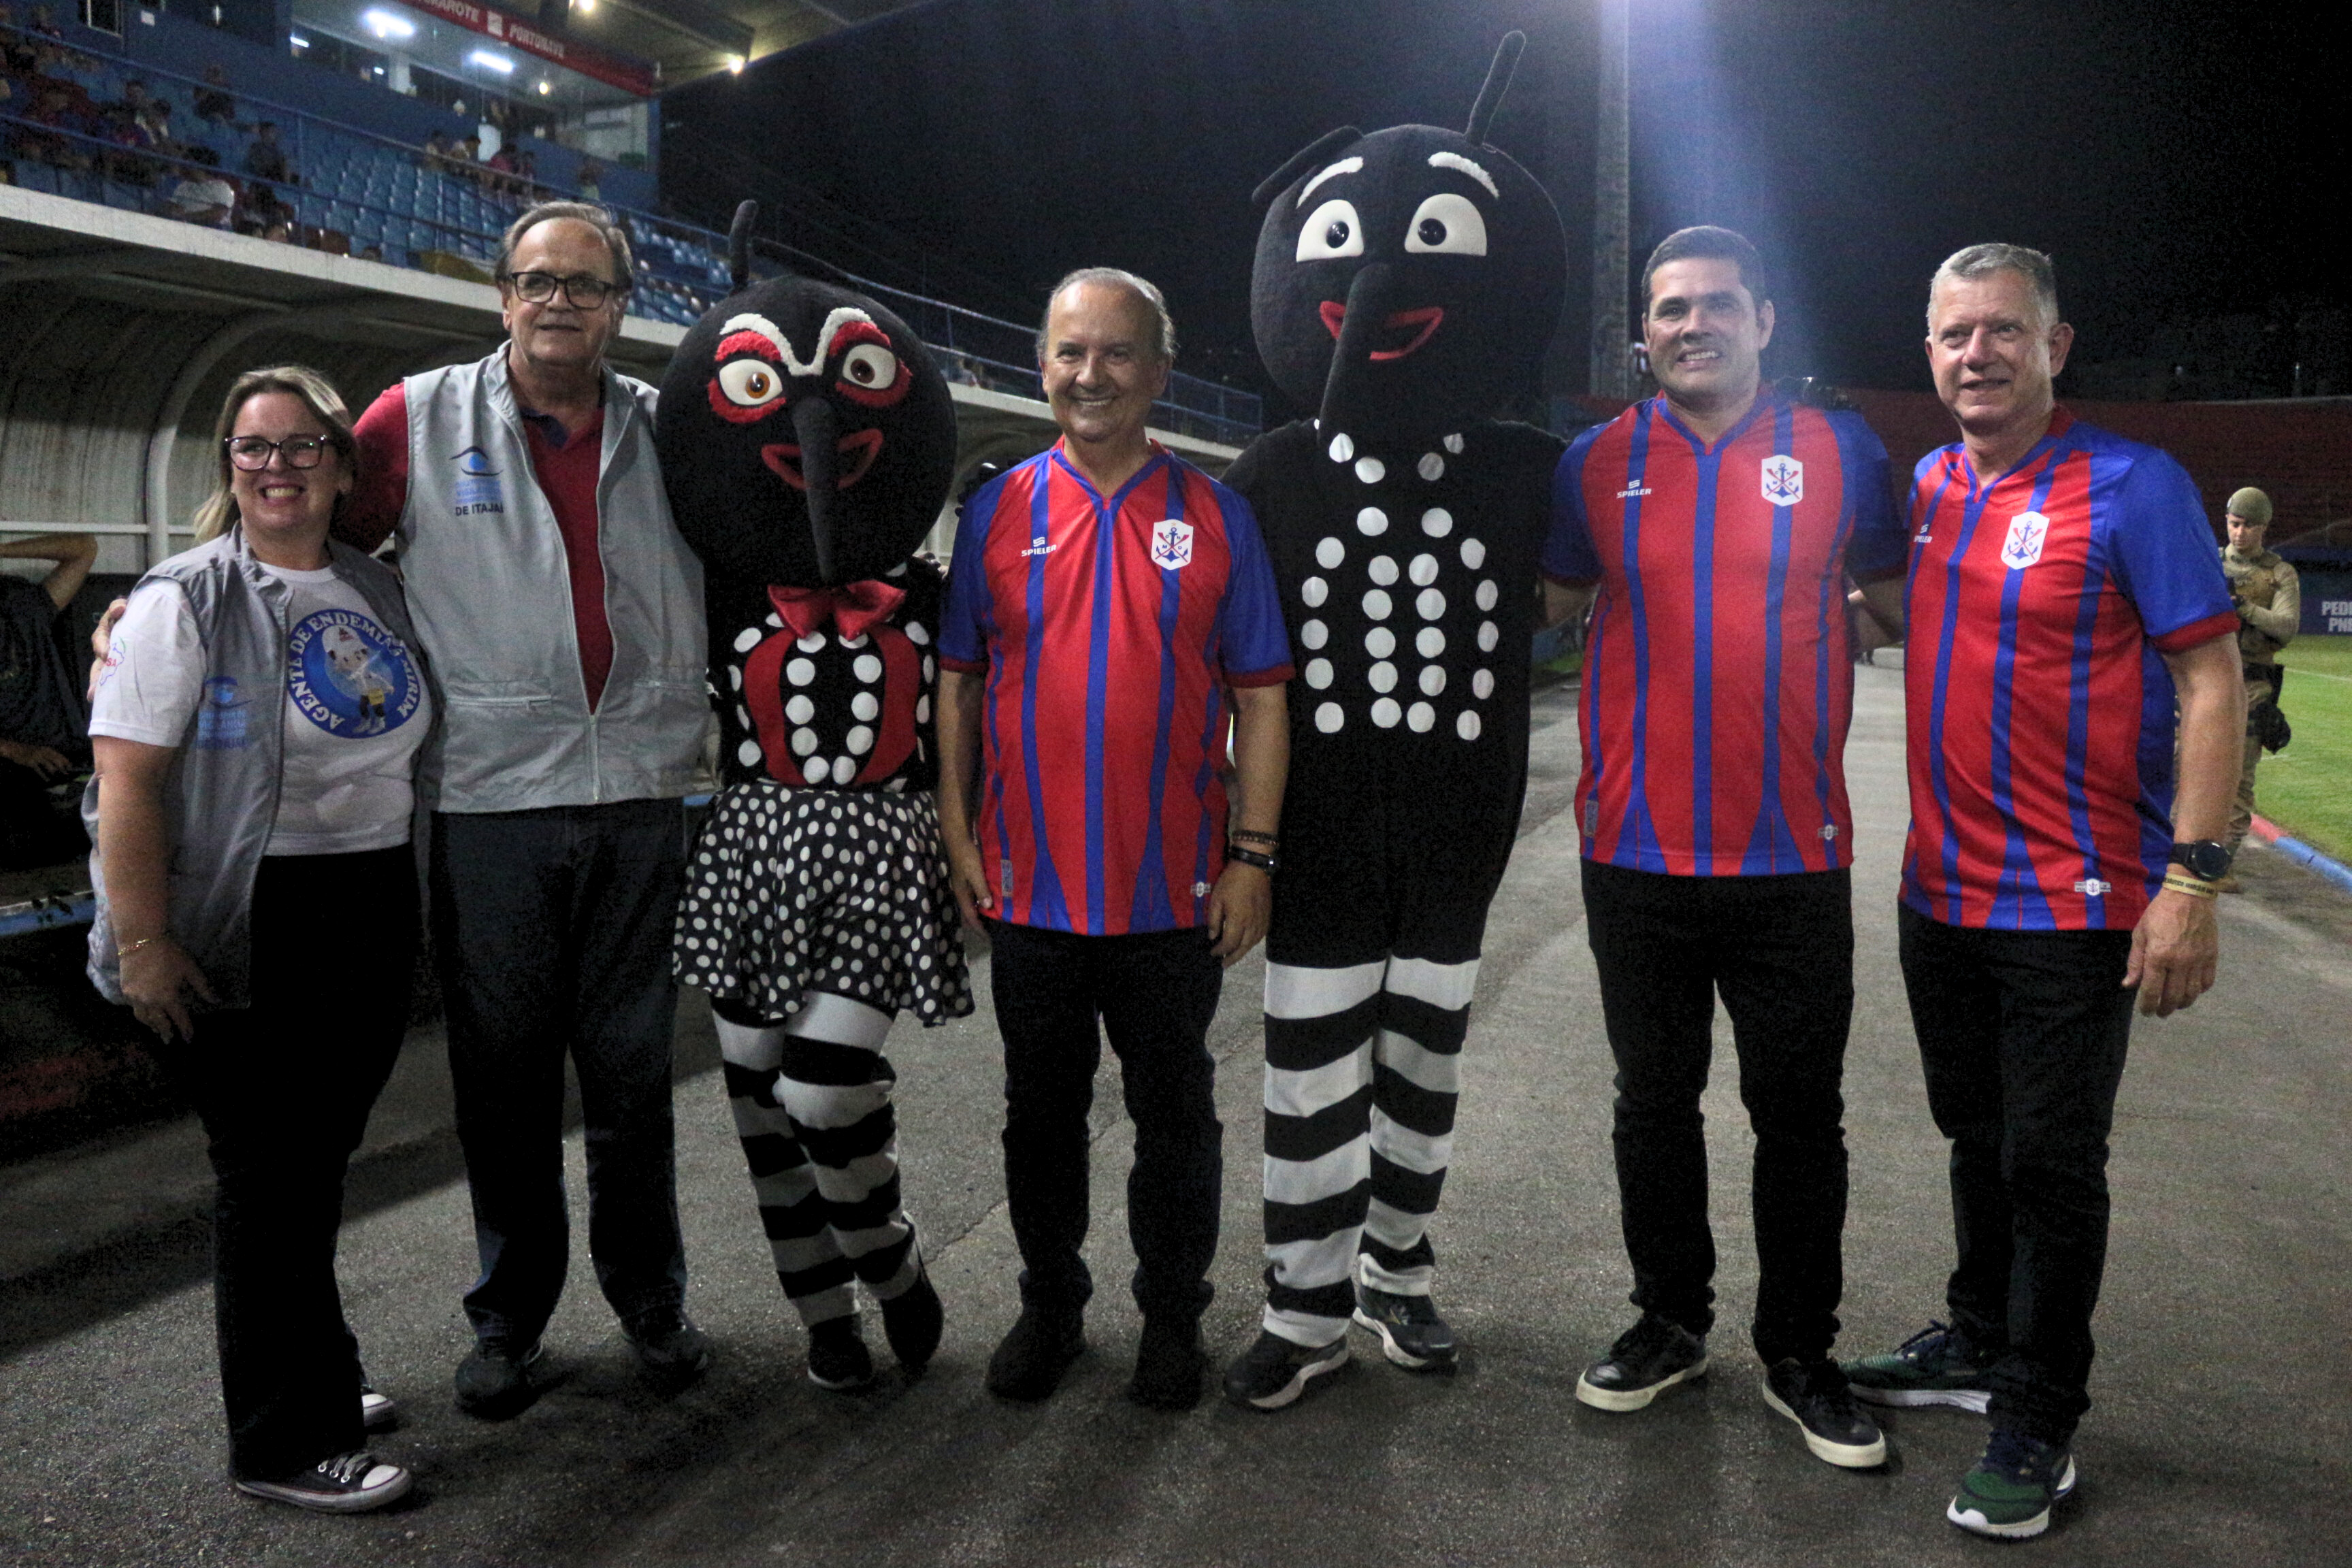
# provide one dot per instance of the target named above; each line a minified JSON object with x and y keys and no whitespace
{"x":562,"y":615}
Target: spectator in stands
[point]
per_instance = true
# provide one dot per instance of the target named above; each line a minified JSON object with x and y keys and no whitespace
{"x":119,"y":129}
{"x":526,"y":169}
{"x":499,"y":173}
{"x":468,"y":160}
{"x":214,"y":100}
{"x":591,"y":180}
{"x":265,"y":209}
{"x":53,"y":107}
{"x":552,"y":589}
{"x":155,"y":119}
{"x":436,"y":153}
{"x":265,"y":159}
{"x":43,"y":740}
{"x":203,"y":197}
{"x":257,"y":725}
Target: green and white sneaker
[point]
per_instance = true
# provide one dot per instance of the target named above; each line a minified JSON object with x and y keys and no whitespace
{"x":2010,"y":1493}
{"x":1934,"y":1366}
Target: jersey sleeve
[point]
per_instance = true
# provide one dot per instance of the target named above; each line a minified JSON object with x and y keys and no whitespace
{"x":380,"y":491}
{"x":1880,"y":545}
{"x":963,"y":618}
{"x":1567,"y":553}
{"x":1254,"y":648}
{"x":2164,"y":558}
{"x":154,"y":670}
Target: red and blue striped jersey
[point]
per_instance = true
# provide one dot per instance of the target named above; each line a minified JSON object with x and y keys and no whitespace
{"x":1108,"y":630}
{"x":1719,"y":673}
{"x":2037,"y":612}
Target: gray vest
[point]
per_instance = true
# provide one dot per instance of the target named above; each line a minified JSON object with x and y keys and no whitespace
{"x":490,"y":587}
{"x":220,"y":799}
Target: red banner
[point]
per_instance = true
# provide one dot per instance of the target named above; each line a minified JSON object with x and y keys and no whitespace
{"x":630,"y":76}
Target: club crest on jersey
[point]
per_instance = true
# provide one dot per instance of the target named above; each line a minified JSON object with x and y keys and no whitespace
{"x":1784,"y":480}
{"x":1172,"y":544}
{"x":2026,"y":533}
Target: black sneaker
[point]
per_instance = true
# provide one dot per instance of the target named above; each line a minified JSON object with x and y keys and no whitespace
{"x":837,"y":1357}
{"x":1170,"y":1365}
{"x":1412,"y":1333}
{"x":912,"y":1322}
{"x":1649,"y":1358}
{"x":377,"y":1411}
{"x":1815,"y":1396}
{"x":2010,"y":1492}
{"x":348,"y":1483}
{"x":1934,"y":1366}
{"x":1274,"y":1372}
{"x":1029,"y":1364}
{"x":671,"y":1352}
{"x":495,"y":1383}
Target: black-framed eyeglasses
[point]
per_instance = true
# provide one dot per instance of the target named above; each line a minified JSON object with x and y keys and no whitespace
{"x":539,"y":288}
{"x":251,"y":453}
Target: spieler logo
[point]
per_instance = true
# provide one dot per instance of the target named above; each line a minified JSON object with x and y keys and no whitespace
{"x":1784,"y":480}
{"x":1172,"y":544}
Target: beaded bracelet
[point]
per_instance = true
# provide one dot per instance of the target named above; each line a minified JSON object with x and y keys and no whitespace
{"x":1253,"y":836}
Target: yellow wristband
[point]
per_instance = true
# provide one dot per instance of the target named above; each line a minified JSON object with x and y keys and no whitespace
{"x":2194,"y":886}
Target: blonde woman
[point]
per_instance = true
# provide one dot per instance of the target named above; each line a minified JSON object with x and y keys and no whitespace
{"x":256,"y":726}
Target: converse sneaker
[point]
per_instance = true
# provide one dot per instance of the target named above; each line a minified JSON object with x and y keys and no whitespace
{"x":1647,"y":1359}
{"x":497,"y":1383}
{"x":1412,"y":1333}
{"x":1934,"y":1366}
{"x":377,"y":1411}
{"x":1814,"y":1395}
{"x":1274,"y":1371}
{"x":2010,"y":1492}
{"x":348,"y":1483}
{"x":837,"y":1357}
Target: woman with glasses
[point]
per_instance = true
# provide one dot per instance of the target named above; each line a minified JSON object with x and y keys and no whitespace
{"x":256,"y":724}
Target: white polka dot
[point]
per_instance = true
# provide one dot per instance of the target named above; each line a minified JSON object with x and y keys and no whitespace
{"x":743,"y":714}
{"x":1385,"y":712}
{"x":1474,"y":554}
{"x":748,"y":754}
{"x":747,"y":640}
{"x":803,"y":743}
{"x":868,"y":667}
{"x":1453,"y":443}
{"x":1425,"y":570}
{"x":1319,"y":673}
{"x":811,"y":643}
{"x":918,"y":636}
{"x":1429,"y":642}
{"x":1371,"y":522}
{"x":1384,"y":570}
{"x":800,"y":709}
{"x":1379,"y":642}
{"x":1431,"y":604}
{"x":931,"y":670}
{"x":1314,"y":635}
{"x":1421,"y":718}
{"x":1437,"y":522}
{"x":1384,"y":676}
{"x":861,"y":740}
{"x":1488,"y":593}
{"x":1482,"y":685}
{"x":1371,"y":470}
{"x":1327,"y":718}
{"x":922,"y":710}
{"x":865,"y":705}
{"x":735,"y":676}
{"x":1314,"y":591}
{"x":1376,"y":605}
{"x":1488,"y":637}
{"x":1431,"y":468}
{"x":1342,"y":447}
{"x":1329,"y":554}
{"x":800,"y":672}
{"x":1467,"y":725}
{"x":776,"y":622}
{"x":1432,"y":680}
{"x":844,"y":769}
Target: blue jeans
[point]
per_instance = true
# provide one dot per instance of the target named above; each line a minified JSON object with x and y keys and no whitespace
{"x":552,"y":933}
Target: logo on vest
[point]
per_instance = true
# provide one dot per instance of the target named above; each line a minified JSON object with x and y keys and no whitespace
{"x":349,"y":676}
{"x":2026,"y":533}
{"x":1784,"y":480}
{"x":479,"y":488}
{"x":1172,"y":544}
{"x":222,"y":719}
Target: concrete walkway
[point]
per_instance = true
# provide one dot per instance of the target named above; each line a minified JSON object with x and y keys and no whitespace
{"x":2221,"y":1432}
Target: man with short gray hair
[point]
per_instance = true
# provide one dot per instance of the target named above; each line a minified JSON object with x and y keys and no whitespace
{"x":562,"y":614}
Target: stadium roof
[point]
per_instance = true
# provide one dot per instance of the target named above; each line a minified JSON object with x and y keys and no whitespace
{"x":691,"y":38}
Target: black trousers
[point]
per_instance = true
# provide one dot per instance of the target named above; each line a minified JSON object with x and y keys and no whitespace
{"x":1780,"y":951}
{"x":2022,"y":1035}
{"x":283,"y":1088}
{"x":1154,"y":995}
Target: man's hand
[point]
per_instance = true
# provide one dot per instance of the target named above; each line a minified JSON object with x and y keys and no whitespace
{"x":158,"y":981}
{"x":101,"y":638}
{"x":1239,"y":906}
{"x":2174,"y":951}
{"x":46,"y":761}
{"x":968,"y":878}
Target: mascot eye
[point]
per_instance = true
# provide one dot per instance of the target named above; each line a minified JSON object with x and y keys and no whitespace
{"x":1446,"y":224}
{"x":1330,"y":230}
{"x":750,"y":383}
{"x":870,"y":366}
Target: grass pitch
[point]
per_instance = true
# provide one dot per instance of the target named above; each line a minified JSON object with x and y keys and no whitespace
{"x":2307,"y":788}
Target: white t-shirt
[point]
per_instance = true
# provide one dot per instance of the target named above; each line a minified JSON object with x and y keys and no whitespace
{"x":356,"y":709}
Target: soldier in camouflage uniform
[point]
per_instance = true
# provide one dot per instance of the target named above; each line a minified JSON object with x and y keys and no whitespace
{"x":2270,"y":606}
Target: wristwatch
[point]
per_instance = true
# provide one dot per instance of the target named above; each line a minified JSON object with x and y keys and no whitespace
{"x":2205,"y":859}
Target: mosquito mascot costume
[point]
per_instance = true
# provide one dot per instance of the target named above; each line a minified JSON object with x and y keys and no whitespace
{"x":1406,"y":285}
{"x":807,"y":440}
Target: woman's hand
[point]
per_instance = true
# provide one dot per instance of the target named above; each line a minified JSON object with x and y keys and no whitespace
{"x":158,"y":981}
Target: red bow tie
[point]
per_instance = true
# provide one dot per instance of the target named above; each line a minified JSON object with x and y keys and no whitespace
{"x":852,"y":607}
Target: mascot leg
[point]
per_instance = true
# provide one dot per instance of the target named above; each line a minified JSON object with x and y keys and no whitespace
{"x":1321,"y":1029}
{"x":1424,"y":1013}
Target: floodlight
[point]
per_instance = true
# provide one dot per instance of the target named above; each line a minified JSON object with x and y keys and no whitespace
{"x":490,"y":62}
{"x":384,"y":25}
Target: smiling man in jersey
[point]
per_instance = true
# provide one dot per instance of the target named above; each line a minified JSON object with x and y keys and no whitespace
{"x":1719,"y":522}
{"x":2064,"y":596}
{"x":1105,"y":599}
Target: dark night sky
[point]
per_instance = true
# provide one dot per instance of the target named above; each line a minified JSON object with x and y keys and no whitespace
{"x":2171,"y":153}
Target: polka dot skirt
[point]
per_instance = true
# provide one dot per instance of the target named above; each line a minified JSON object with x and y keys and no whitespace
{"x":843,"y":890}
